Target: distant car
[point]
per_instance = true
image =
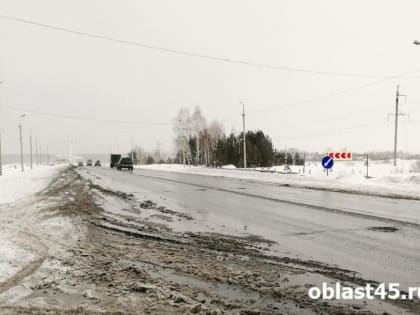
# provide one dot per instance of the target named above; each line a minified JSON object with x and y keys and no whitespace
{"x":80,"y":163}
{"x":89,"y":163}
{"x":98,"y":163}
{"x":125,"y":162}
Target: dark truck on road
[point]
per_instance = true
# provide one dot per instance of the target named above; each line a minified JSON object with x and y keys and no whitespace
{"x":114,"y":160}
{"x":125,"y":162}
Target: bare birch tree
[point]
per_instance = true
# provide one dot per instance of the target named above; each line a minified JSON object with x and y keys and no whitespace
{"x":198,"y":125}
{"x":182,"y":129}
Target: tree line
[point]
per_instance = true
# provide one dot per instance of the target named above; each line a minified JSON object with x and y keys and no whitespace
{"x":200,"y":143}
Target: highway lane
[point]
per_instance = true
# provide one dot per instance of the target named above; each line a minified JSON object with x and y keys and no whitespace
{"x":407,"y":211}
{"x":286,"y":216}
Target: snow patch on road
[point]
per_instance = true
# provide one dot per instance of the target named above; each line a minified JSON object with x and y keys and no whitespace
{"x":176,"y":215}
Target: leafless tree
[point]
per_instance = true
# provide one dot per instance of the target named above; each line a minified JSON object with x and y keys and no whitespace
{"x":210,"y":136}
{"x":182,"y":128}
{"x":187,"y":126}
{"x":198,"y":125}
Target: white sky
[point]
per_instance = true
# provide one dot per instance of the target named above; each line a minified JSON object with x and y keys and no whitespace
{"x":62,"y":73}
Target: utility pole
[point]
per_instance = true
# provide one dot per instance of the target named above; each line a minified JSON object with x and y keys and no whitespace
{"x":244,"y":135}
{"x":397,"y":114}
{"x":30,"y":150}
{"x":304,"y":162}
{"x":184,"y":145}
{"x":48,"y":157}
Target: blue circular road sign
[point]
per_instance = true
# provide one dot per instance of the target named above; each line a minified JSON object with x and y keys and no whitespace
{"x":327,"y":162}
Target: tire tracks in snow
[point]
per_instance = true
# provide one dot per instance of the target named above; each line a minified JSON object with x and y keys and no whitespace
{"x":39,"y":249}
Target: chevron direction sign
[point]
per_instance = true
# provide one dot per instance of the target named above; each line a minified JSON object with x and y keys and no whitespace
{"x":340,"y":156}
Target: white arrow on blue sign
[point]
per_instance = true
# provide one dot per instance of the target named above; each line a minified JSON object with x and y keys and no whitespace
{"x":327,"y":162}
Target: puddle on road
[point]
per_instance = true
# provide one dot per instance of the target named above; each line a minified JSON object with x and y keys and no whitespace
{"x":224,"y":291}
{"x":385,"y":229}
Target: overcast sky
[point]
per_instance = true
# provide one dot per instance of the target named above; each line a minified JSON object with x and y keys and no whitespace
{"x":67,"y":74}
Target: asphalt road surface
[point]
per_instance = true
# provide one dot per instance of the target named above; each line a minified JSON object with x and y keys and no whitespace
{"x":377,"y":237}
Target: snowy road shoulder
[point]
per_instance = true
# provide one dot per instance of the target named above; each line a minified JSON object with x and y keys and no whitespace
{"x":16,"y":185}
{"x":17,"y":199}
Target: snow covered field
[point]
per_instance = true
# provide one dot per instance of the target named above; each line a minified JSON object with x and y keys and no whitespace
{"x":15,"y":184}
{"x":384,"y":179}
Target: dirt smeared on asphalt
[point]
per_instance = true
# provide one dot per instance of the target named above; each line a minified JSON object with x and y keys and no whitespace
{"x":120,"y":264}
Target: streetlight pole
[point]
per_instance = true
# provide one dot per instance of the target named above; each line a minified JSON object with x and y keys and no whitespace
{"x":30,"y":149}
{"x":21,"y":144}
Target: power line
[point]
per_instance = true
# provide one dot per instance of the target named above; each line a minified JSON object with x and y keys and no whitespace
{"x":345,"y":115}
{"x":188,"y":53}
{"x":336,"y":93}
{"x":50,"y":114}
{"x":334,"y":132}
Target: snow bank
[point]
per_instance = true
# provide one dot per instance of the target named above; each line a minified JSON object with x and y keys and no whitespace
{"x":15,"y":184}
{"x":229,"y":167}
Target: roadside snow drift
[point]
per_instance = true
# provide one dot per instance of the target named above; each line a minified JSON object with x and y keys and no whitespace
{"x":15,"y":184}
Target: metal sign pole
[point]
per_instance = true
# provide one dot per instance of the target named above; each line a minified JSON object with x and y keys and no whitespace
{"x":367,"y":165}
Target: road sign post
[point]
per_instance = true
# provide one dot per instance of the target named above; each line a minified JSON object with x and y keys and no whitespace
{"x":327,"y":163}
{"x":367,"y":165}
